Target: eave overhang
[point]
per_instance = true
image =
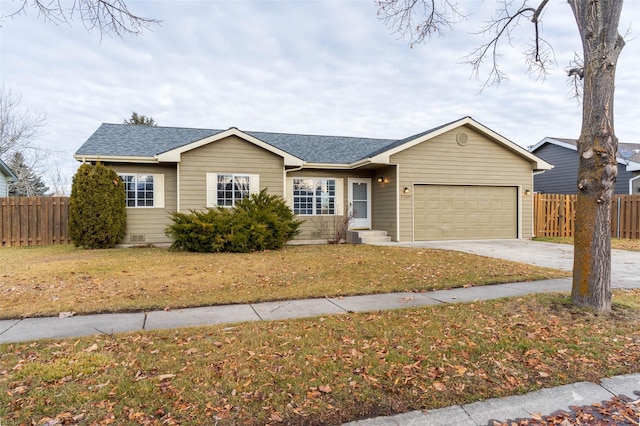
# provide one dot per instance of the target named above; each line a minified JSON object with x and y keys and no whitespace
{"x":539,"y":164}
{"x":114,"y":159}
{"x":173,"y":156}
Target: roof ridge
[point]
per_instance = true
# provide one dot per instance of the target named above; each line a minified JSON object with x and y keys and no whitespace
{"x":319,"y":135}
{"x":162,"y":127}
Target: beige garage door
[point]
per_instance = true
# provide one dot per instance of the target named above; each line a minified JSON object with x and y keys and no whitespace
{"x":452,"y":212}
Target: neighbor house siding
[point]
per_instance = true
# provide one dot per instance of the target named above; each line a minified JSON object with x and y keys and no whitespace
{"x":441,"y":160}
{"x":150,"y":222}
{"x":229,"y":155}
{"x":563,"y":178}
{"x":3,"y":185}
{"x":311,"y":226}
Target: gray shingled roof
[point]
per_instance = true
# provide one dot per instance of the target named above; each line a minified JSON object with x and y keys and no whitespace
{"x":323,"y":149}
{"x":123,"y":140}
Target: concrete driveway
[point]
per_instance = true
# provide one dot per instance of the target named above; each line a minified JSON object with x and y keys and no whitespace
{"x":625,"y":264}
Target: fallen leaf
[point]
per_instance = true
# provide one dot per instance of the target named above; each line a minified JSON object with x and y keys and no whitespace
{"x":91,"y":348}
{"x":439,"y":386}
{"x":325,"y":389}
{"x":165,"y":377}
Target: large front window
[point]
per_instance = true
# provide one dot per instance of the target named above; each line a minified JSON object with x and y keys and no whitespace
{"x":232,"y":188}
{"x":314,"y":196}
{"x":138,"y":190}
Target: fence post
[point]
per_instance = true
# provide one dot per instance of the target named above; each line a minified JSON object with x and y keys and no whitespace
{"x":618,"y":227}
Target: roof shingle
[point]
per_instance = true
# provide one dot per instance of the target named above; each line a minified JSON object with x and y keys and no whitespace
{"x":123,"y":140}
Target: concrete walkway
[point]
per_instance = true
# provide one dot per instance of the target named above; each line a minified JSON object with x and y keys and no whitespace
{"x":84,"y":325}
{"x":625,"y":274}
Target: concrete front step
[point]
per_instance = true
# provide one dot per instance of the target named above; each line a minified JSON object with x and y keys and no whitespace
{"x":367,"y":236}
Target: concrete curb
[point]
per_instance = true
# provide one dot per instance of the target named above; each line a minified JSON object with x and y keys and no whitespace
{"x":543,"y":402}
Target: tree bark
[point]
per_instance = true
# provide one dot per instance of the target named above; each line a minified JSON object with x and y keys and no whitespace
{"x":597,"y":147}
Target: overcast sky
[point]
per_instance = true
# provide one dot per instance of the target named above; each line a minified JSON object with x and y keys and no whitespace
{"x":317,"y":67}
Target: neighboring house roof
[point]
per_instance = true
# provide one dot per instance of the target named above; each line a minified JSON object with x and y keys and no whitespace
{"x":11,"y":177}
{"x":628,"y":153}
{"x":131,"y":143}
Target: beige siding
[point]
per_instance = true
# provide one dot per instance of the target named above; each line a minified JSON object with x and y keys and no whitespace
{"x":384,"y":204}
{"x":229,"y":155}
{"x":311,"y":228}
{"x":150,"y":222}
{"x":481,"y":161}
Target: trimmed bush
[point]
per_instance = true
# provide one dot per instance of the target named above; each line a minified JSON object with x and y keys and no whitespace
{"x":97,"y":215}
{"x":259,"y":222}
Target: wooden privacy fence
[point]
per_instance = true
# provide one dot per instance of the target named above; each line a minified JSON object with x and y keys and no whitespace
{"x":554,"y":215}
{"x":31,"y":221}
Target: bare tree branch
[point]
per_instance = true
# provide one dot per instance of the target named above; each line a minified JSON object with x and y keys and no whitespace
{"x":539,"y":56}
{"x":105,"y":16}
{"x":415,"y":20}
{"x":18,"y":127}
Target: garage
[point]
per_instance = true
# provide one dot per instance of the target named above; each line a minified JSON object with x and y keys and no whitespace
{"x":465,"y":212}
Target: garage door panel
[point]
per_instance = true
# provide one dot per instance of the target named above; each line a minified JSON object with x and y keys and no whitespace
{"x":444,"y":212}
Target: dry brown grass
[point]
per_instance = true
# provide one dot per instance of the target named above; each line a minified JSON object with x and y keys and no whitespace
{"x":39,"y":281}
{"x":319,"y":371}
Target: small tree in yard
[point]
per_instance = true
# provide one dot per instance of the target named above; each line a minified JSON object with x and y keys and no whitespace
{"x":97,"y":216}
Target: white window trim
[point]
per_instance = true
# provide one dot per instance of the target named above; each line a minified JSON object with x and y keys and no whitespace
{"x":158,"y":190}
{"x":211,"y":183}
{"x":338,"y":200}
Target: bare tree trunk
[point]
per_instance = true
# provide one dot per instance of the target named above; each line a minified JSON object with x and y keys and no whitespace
{"x":597,"y":147}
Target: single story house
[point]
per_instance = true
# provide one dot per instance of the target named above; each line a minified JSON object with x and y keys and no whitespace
{"x":563,"y":179}
{"x":458,"y":181}
{"x":6,"y":177}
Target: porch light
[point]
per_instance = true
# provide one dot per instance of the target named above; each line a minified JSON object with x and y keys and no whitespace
{"x":527,"y":192}
{"x":380,"y":179}
{"x":406,"y":190}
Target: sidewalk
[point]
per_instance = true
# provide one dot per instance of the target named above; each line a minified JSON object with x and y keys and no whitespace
{"x":85,"y":325}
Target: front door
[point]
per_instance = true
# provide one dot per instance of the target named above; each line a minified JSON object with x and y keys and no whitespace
{"x":360,"y":203}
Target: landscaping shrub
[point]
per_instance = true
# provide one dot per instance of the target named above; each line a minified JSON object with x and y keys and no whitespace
{"x":259,"y":222}
{"x":97,"y":215}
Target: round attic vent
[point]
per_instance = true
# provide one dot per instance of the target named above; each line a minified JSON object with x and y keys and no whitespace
{"x":462,"y":138}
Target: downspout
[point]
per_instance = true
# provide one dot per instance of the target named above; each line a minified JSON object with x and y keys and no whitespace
{"x":178,"y":187}
{"x":398,"y":203}
{"x":284,"y":183}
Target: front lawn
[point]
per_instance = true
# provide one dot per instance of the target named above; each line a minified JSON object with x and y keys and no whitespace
{"x":319,"y":371}
{"x":40,"y":281}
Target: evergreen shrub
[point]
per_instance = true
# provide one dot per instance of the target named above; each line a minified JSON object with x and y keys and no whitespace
{"x":97,"y":215}
{"x":259,"y":222}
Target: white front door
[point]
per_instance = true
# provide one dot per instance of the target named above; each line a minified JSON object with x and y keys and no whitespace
{"x":360,"y":203}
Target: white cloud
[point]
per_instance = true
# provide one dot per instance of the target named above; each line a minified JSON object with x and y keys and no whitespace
{"x":327,"y":67}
